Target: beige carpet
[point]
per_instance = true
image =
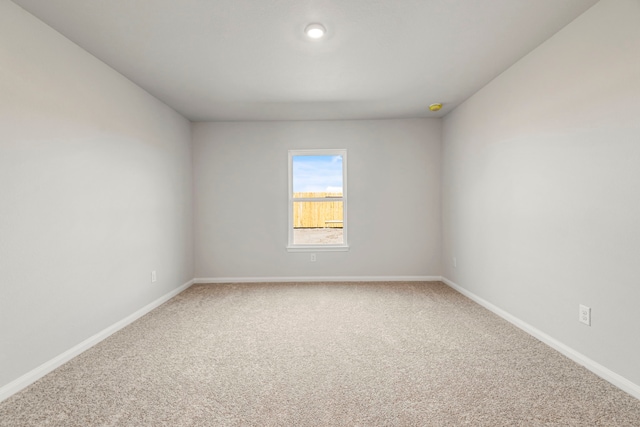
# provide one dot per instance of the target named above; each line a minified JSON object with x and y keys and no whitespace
{"x":324,"y":354}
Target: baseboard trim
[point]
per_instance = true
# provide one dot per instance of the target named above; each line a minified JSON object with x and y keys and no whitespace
{"x":318,"y":279}
{"x":32,"y":376}
{"x":601,"y":371}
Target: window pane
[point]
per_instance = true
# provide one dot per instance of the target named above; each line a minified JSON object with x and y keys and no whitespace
{"x":316,"y":223}
{"x":317,"y":176}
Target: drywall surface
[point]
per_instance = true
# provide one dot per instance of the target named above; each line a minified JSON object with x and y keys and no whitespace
{"x":240,"y":174}
{"x":541,"y":187}
{"x":95,"y":193}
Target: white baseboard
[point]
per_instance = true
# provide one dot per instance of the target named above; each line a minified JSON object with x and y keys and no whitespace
{"x":318,"y":279}
{"x":42,"y":370}
{"x":601,"y":371}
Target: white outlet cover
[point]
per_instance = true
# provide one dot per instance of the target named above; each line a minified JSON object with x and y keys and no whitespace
{"x":584,"y":315}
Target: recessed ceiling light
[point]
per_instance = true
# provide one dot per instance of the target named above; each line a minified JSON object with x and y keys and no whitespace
{"x":435,"y":107}
{"x":315,"y":31}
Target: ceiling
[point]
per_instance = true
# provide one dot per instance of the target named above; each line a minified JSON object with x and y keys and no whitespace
{"x":249,"y":59}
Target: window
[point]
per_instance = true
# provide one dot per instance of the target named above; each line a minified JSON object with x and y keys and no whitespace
{"x":317,"y":200}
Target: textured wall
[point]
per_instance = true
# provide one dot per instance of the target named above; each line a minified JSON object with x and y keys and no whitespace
{"x":95,"y":192}
{"x":393,"y":206}
{"x":541,"y":187}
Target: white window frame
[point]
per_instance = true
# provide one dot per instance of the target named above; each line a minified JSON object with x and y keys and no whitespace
{"x":291,"y":247}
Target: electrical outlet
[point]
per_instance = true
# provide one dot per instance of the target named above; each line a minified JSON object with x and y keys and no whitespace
{"x":154,"y":277}
{"x":313,"y":258}
{"x":585,"y":315}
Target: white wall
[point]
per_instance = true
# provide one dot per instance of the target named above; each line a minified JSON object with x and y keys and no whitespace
{"x":95,"y":192}
{"x":541,"y":187}
{"x":240,"y":173}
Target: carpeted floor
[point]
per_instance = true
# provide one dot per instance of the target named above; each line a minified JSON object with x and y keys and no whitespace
{"x":321,"y":354}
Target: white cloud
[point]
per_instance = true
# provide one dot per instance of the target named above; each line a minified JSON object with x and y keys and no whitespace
{"x":333,"y":189}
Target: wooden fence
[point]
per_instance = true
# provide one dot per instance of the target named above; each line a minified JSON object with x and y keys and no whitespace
{"x":321,"y":214}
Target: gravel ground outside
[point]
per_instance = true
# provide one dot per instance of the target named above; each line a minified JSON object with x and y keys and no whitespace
{"x":302,"y":236}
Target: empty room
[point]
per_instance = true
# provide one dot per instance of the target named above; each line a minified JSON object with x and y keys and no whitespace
{"x":319,"y":213}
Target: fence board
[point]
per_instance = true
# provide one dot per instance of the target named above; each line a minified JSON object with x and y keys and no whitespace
{"x":321,"y":214}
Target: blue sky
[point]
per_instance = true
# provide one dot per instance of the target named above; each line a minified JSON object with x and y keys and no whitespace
{"x":317,"y":174}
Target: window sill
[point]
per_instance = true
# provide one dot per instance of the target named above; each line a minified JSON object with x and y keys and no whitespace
{"x":317,"y":248}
